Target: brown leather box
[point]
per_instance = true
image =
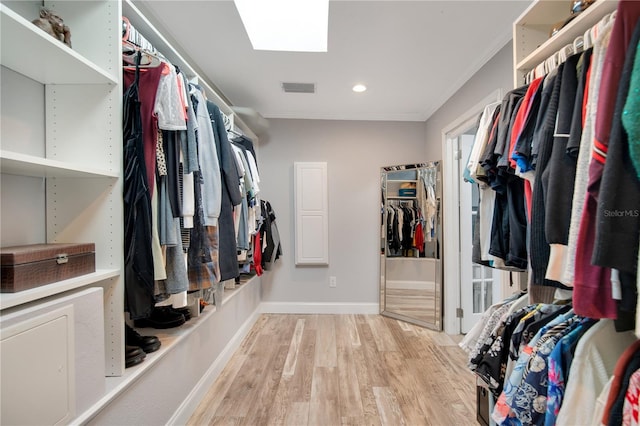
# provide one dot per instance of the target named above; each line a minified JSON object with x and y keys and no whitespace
{"x":34,"y":265}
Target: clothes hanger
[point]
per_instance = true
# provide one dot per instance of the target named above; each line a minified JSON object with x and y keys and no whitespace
{"x":148,"y":60}
{"x":132,"y":43}
{"x":578,"y":44}
{"x":565,"y":52}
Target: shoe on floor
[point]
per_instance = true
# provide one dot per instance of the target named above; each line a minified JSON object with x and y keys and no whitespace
{"x":184,"y":311}
{"x":133,"y":355}
{"x":147,"y":343}
{"x":161,"y":317}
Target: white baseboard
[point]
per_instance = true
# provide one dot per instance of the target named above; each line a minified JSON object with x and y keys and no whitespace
{"x":189,"y":405}
{"x":318,"y":308}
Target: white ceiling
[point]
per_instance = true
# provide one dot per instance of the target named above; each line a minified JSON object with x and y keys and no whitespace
{"x":412,"y":55}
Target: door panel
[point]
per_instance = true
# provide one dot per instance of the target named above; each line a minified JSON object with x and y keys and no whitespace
{"x":477,"y":282}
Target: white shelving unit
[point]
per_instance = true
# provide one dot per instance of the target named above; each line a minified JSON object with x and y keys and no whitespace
{"x":54,"y":62}
{"x":61,"y":181}
{"x":61,"y":152}
{"x":10,"y":300}
{"x":15,"y":163}
{"x":531,"y":42}
{"x":394,"y":186}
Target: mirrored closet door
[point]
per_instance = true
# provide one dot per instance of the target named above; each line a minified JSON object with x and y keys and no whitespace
{"x":411,"y":244}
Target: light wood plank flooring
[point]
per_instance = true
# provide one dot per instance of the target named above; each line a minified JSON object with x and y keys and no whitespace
{"x":341,"y":370}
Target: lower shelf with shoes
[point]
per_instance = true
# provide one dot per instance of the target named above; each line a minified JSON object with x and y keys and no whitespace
{"x":163,"y":317}
{"x":138,"y":346}
{"x":207,"y":341}
{"x":133,"y":355}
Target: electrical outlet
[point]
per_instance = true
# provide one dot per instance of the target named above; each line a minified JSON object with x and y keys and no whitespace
{"x":332,"y":281}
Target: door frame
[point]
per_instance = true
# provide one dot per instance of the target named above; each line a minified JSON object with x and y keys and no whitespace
{"x":451,"y":211}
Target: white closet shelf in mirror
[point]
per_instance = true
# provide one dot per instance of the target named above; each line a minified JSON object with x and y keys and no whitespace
{"x":30,"y":51}
{"x":566,"y":35}
{"x":9,"y":300}
{"x":15,"y":163}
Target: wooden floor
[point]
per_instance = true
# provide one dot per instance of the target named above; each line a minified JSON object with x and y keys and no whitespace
{"x":341,"y":370}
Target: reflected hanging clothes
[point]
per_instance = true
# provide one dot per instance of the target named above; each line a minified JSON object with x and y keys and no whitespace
{"x":138,"y":259}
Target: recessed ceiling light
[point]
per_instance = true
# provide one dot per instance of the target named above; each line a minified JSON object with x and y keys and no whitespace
{"x":359,"y":88}
{"x":286,"y":25}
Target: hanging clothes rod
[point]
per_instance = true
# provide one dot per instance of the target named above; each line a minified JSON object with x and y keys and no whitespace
{"x":580,"y":43}
{"x":131,"y":35}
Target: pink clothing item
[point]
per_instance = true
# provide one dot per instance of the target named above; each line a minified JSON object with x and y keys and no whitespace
{"x":630,"y":408}
{"x":618,"y":374}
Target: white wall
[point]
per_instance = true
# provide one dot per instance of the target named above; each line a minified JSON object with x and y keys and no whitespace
{"x":497,"y":73}
{"x":354,"y":152}
{"x":494,"y":75}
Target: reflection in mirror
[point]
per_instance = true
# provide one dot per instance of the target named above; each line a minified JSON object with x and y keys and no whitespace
{"x":411,"y":243}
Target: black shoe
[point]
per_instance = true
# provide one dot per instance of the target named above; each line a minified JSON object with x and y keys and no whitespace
{"x":184,"y":311}
{"x":161,"y":317}
{"x":146,"y":343}
{"x":133,"y":355}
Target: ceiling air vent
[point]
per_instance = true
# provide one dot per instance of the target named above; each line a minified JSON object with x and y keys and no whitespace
{"x":299,"y":87}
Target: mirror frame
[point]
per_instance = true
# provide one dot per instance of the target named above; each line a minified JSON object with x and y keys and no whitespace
{"x":438,"y":303}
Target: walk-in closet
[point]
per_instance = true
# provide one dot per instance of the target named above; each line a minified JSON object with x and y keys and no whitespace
{"x":426,"y":213}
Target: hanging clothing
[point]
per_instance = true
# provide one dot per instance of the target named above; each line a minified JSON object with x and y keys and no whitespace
{"x":616,"y":413}
{"x":230,"y":196}
{"x":559,"y":368}
{"x":586,"y":143}
{"x":168,"y":107}
{"x":630,"y":410}
{"x":138,"y":263}
{"x":618,"y":218}
{"x":481,"y":139}
{"x":272,"y":249}
{"x":211,"y":182}
{"x":521,"y":153}
{"x":530,"y":401}
{"x":204,"y":270}
{"x":544,"y":136}
{"x":631,"y":114}
{"x":247,"y":143}
{"x":203,"y":243}
{"x":147,"y":80}
{"x":560,"y":174}
{"x":592,"y":279}
{"x":595,"y":357}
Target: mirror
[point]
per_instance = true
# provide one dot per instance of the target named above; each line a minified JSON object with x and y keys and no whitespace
{"x":411,"y":244}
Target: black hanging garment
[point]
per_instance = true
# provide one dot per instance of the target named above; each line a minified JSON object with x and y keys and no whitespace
{"x":227,"y":251}
{"x":540,"y":249}
{"x":138,"y":259}
{"x":272,"y":249}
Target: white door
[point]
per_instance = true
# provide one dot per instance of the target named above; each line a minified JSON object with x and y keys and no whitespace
{"x":479,"y":284}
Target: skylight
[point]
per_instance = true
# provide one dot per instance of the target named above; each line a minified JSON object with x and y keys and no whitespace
{"x":286,"y":25}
